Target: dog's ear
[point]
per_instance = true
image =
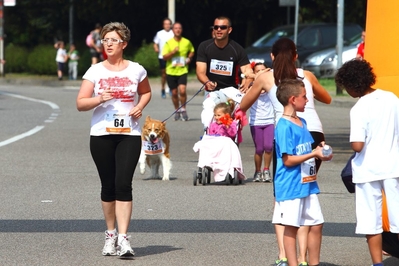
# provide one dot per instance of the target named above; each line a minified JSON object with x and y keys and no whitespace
{"x":147,"y":118}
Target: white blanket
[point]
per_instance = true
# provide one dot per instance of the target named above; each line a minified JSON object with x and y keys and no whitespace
{"x":215,"y":97}
{"x":221,"y":154}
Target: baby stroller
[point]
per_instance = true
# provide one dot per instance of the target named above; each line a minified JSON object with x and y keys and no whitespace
{"x":220,"y":154}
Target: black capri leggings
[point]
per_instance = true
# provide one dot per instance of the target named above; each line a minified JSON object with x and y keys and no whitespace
{"x":116,"y":158}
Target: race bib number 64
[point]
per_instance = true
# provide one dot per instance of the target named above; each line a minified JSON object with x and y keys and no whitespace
{"x":117,"y":123}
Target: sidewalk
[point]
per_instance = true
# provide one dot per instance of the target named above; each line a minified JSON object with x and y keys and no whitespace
{"x":193,"y":85}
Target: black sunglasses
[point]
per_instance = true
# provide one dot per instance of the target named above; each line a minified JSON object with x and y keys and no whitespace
{"x":222,"y":27}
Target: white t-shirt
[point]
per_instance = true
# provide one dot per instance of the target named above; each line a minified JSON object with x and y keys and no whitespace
{"x":112,"y":117}
{"x":61,"y":56}
{"x":161,"y":38}
{"x":374,"y":120}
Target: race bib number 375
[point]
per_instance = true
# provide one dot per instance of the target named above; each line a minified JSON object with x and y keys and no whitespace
{"x":150,"y":148}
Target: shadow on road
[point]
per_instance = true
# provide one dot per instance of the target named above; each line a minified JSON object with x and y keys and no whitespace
{"x":164,"y":226}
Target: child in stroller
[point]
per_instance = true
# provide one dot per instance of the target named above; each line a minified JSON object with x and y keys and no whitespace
{"x":218,"y":150}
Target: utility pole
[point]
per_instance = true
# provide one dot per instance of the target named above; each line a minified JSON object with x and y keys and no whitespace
{"x":1,"y":38}
{"x":340,"y":37}
{"x":71,"y":22}
{"x":171,"y":10}
{"x":2,"y":61}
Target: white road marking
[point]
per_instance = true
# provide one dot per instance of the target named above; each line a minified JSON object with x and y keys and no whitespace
{"x":36,"y":129}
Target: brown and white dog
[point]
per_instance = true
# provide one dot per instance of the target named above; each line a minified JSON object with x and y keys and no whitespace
{"x":155,"y":149}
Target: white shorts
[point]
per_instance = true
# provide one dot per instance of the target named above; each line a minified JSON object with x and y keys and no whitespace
{"x":369,"y":206}
{"x":298,"y":212}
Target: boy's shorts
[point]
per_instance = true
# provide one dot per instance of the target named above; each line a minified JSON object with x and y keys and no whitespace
{"x":298,"y":212}
{"x":369,"y":206}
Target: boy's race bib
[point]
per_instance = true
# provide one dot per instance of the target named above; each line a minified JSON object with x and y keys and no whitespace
{"x":150,"y":148}
{"x":308,"y":171}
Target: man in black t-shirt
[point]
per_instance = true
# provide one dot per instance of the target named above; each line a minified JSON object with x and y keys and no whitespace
{"x":220,"y":59}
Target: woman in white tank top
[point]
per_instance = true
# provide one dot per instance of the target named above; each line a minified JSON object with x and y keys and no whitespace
{"x":284,"y":56}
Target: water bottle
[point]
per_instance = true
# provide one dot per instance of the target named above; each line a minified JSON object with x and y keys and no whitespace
{"x":327,"y":150}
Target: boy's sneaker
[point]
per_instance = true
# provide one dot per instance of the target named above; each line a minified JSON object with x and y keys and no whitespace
{"x":124,"y":250}
{"x":266,"y":176}
{"x":281,"y":262}
{"x":184,"y":116}
{"x":110,"y":244}
{"x":257,"y":177}
{"x":163,"y":94}
{"x":177,"y":116}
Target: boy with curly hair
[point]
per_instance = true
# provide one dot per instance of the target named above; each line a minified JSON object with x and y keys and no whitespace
{"x":374,"y":136}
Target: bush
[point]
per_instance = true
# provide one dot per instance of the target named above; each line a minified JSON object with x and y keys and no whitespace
{"x":42,"y":60}
{"x":15,"y":57}
{"x":146,"y":57}
{"x":84,"y":61}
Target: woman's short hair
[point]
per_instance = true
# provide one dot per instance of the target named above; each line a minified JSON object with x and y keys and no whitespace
{"x":120,"y":28}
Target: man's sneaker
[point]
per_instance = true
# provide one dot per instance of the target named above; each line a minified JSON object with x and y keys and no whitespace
{"x":177,"y":116}
{"x":257,"y":177}
{"x":124,"y":249}
{"x":110,"y":244}
{"x":303,"y":264}
{"x":281,"y":262}
{"x":184,"y":116}
{"x":266,"y":176}
{"x":163,"y":94}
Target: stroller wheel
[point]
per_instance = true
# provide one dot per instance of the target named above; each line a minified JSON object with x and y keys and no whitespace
{"x":229,"y":180}
{"x":208,"y":177}
{"x":199,"y":176}
{"x":195,"y":178}
{"x":235,"y":180}
{"x":205,"y":176}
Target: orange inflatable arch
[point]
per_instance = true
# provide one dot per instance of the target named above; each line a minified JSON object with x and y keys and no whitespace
{"x":381,"y":43}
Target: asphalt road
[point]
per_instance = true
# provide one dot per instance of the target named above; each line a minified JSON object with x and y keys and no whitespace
{"x":50,"y":211}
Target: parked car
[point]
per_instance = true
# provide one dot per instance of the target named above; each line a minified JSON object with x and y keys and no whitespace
{"x":324,"y":63}
{"x":310,"y":38}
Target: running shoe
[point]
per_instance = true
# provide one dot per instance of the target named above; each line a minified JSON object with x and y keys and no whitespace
{"x":184,"y":116}
{"x":109,"y":248}
{"x":124,"y":250}
{"x":303,"y":264}
{"x":281,"y":262}
{"x":257,"y":177}
{"x":177,"y":116}
{"x":266,"y":176}
{"x":163,"y":94}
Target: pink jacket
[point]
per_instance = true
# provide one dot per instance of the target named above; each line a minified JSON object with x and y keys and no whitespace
{"x":223,"y":130}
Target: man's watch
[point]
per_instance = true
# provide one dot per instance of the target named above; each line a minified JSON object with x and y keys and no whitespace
{"x":243,"y":76}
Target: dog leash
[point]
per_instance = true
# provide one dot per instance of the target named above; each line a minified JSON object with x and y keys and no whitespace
{"x":202,"y":87}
